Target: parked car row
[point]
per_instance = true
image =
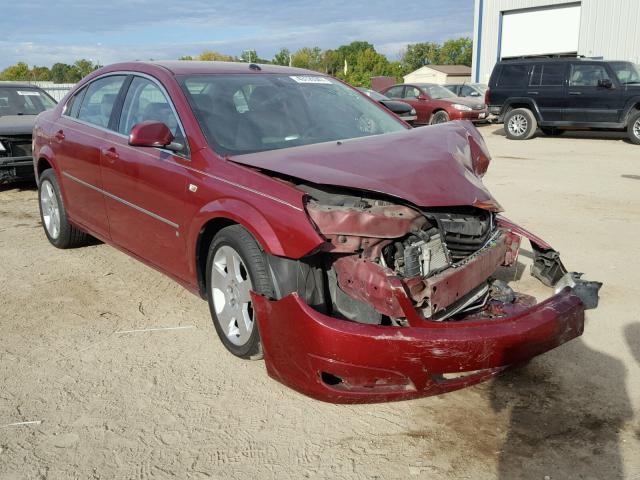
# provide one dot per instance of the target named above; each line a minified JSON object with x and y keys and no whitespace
{"x":355,"y":253}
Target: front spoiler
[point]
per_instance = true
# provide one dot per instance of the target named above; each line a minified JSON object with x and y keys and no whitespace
{"x":346,"y":362}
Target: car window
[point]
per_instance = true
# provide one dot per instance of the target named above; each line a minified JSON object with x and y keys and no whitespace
{"x":394,"y":92}
{"x":73,"y":105}
{"x":23,"y":101}
{"x":411,"y":92}
{"x":587,"y":75}
{"x":547,"y":75}
{"x":513,"y":75}
{"x":467,"y":91}
{"x":145,"y":101}
{"x":248,"y":113}
{"x":99,"y":100}
{"x":627,"y":72}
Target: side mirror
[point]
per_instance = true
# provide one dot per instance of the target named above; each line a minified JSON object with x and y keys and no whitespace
{"x":151,"y":133}
{"x":423,"y":97}
{"x":606,"y":83}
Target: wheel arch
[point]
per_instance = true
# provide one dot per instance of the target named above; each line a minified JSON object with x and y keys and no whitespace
{"x":523,"y":102}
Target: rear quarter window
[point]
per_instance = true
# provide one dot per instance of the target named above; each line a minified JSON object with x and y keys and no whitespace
{"x":513,"y":75}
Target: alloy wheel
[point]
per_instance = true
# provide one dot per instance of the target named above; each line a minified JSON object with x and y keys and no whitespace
{"x":636,"y":128}
{"x":230,"y":287}
{"x":50,"y":209}
{"x":517,"y":125}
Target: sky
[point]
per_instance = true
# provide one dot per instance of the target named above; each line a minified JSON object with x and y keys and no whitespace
{"x":46,"y":31}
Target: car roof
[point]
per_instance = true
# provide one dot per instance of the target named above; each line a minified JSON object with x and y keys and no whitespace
{"x":18,"y":85}
{"x":194,"y":67}
{"x":556,"y":59}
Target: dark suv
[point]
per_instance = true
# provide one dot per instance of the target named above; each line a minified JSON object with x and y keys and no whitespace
{"x":559,"y":94}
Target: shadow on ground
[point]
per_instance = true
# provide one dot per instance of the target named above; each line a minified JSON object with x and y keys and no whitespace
{"x":578,"y":134}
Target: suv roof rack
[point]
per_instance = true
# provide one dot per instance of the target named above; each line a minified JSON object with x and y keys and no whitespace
{"x":559,"y":56}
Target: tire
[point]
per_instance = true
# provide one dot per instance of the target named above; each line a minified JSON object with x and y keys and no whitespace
{"x":439,"y":117}
{"x":53,"y":215}
{"x":634,"y":128}
{"x":552,"y":131}
{"x":520,"y":124}
{"x":236,"y":265}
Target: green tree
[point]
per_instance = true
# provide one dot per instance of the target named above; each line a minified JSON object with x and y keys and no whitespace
{"x":456,"y":52}
{"x":40,"y":73}
{"x":282,"y":57}
{"x":418,"y":54}
{"x":210,"y":55}
{"x":19,"y":71}
{"x":84,"y":67}
{"x":186,"y":57}
{"x":60,"y":72}
{"x":310,"y":58}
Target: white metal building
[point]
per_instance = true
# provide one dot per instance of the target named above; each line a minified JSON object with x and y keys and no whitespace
{"x":608,"y":29}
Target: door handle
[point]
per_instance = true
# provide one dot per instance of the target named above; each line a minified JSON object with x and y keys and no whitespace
{"x":532,"y":93}
{"x":111,"y":154}
{"x":59,"y":135}
{"x":575,"y":93}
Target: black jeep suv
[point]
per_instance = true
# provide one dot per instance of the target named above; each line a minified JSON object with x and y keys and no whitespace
{"x":559,"y":94}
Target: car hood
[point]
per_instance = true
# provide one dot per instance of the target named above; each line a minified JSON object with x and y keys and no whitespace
{"x":464,"y":101}
{"x":17,"y":124}
{"x":429,"y":167}
{"x":397,"y":106}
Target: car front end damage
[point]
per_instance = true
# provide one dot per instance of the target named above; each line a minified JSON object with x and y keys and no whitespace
{"x":401,"y":302}
{"x":16,"y":162}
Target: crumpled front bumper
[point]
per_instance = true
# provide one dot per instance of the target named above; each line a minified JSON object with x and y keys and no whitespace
{"x":346,"y":362}
{"x":16,"y":168}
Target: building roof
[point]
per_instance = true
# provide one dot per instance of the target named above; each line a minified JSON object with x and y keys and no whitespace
{"x":449,"y":69}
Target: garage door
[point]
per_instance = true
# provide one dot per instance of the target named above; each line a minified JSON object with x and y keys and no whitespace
{"x":542,"y":31}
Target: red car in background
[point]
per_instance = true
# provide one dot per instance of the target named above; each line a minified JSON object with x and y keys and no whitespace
{"x":357,"y":254}
{"x":436,"y":104}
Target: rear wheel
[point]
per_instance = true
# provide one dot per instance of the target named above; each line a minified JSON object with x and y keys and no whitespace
{"x":59,"y":231}
{"x":235,"y":266}
{"x":520,"y":124}
{"x":634,"y":128}
{"x":439,"y":117}
{"x":552,"y":131}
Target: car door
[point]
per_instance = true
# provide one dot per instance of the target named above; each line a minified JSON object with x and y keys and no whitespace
{"x":145,"y":187}
{"x":77,"y":143}
{"x":588,"y":99}
{"x":420,"y":101}
{"x":547,"y":87}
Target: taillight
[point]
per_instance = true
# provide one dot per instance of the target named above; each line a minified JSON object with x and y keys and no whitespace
{"x":487,"y":97}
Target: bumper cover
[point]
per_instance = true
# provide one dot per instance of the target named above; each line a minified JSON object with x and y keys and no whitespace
{"x":345,"y":362}
{"x":16,"y":168}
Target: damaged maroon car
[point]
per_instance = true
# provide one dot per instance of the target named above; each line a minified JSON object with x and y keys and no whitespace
{"x":359,"y":256}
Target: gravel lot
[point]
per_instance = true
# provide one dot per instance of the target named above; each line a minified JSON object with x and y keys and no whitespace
{"x":107,"y":401}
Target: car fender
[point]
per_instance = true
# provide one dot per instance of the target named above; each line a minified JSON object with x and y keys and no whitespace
{"x":274,"y":238}
{"x":45,"y":154}
{"x":531,"y":104}
{"x":629,"y":107}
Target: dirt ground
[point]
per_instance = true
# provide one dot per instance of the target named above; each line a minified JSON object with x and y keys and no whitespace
{"x":102,"y":399}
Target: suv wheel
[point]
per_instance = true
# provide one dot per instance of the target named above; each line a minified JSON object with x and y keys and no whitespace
{"x":520,"y":124}
{"x":634,"y":128}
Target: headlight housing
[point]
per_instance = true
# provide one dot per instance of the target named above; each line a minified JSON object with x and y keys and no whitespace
{"x":462,"y":108}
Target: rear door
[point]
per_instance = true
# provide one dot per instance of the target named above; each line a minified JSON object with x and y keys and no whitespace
{"x":588,"y":101}
{"x":77,"y":143}
{"x":145,"y":187}
{"x":547,"y":87}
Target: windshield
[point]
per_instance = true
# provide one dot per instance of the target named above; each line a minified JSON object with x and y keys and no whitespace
{"x":24,"y":101}
{"x":437,"y":92}
{"x":257,"y":112}
{"x":480,"y":87}
{"x":626,"y":72}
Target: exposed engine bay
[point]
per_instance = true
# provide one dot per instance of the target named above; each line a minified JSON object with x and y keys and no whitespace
{"x":378,"y":251}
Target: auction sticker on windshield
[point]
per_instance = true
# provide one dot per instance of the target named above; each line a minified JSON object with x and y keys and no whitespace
{"x":28,"y":93}
{"x":310,"y":79}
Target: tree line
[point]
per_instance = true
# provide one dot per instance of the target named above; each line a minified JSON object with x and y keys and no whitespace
{"x":355,"y":63}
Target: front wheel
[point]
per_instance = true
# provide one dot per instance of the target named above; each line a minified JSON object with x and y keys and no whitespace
{"x":634,"y":128}
{"x":520,"y":124}
{"x":439,"y":117}
{"x":235,"y":266}
{"x":59,"y":231}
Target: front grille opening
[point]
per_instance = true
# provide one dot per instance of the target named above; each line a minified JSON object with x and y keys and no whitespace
{"x":465,"y":230}
{"x":330,"y":379}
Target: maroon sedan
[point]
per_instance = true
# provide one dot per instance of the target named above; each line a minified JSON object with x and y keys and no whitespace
{"x":356,"y":254}
{"x":437,"y":104}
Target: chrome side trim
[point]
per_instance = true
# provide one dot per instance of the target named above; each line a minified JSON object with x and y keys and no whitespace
{"x":121,"y":200}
